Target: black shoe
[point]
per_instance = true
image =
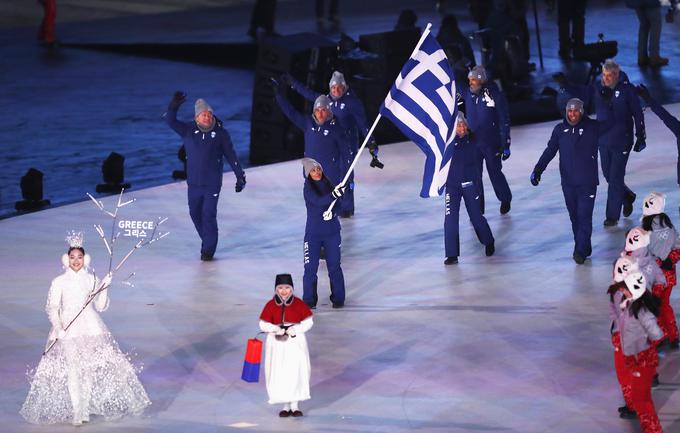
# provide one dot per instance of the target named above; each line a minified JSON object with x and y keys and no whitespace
{"x":505,"y":207}
{"x":627,"y":413}
{"x":286,"y":413}
{"x":655,"y":381}
{"x":297,"y":413}
{"x":628,"y":201}
{"x":206,"y":257}
{"x":610,"y":223}
{"x":337,"y":305}
{"x":490,"y":249}
{"x":451,"y":260}
{"x":579,"y":259}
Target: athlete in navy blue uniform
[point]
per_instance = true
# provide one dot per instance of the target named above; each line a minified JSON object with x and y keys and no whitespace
{"x":575,"y":138}
{"x":618,"y":109}
{"x":349,"y":111}
{"x":487,"y":114}
{"x":207,"y":144}
{"x":667,"y":118}
{"x":321,"y":231}
{"x":463,"y":182}
{"x":325,"y":138}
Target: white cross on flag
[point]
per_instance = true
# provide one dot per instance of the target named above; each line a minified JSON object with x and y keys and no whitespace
{"x":422,"y":105}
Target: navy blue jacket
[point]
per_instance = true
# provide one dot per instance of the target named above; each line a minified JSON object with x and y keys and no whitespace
{"x":578,"y":152}
{"x":317,"y":199}
{"x":615,"y":116}
{"x":487,"y":116}
{"x":205,"y":152}
{"x":324,"y":143}
{"x":671,"y":123}
{"x":464,"y":155}
{"x":348,"y":109}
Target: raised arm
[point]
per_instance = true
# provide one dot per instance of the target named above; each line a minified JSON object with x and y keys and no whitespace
{"x":300,"y":88}
{"x":298,"y":119}
{"x":171,"y":117}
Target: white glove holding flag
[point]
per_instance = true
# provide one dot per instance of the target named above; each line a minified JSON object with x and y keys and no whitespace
{"x":488,"y":99}
{"x":280,"y":331}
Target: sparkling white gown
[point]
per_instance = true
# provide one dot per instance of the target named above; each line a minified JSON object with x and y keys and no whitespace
{"x":85,"y":373}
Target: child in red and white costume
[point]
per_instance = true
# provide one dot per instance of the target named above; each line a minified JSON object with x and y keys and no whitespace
{"x":286,"y":319}
{"x":633,"y":309}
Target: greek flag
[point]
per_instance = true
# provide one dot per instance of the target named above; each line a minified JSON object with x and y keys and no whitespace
{"x":422,"y":105}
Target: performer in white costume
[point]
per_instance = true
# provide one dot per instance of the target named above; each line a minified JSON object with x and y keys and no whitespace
{"x":84,"y":373}
{"x":286,"y":319}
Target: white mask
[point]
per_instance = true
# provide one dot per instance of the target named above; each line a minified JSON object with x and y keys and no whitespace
{"x":636,"y":239}
{"x":654,"y":203}
{"x":623,"y":267}
{"x":636,"y":284}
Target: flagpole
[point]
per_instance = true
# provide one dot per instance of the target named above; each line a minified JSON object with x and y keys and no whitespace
{"x":328,"y":214}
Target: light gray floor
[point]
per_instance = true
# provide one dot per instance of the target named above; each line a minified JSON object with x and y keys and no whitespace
{"x":516,"y":342}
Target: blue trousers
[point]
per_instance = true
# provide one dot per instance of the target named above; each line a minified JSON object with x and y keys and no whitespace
{"x":347,"y":201}
{"x":580,"y":201}
{"x":203,"y":212}
{"x":472,"y":196}
{"x":494,"y":166}
{"x":312,"y":250}
{"x":613,"y":164}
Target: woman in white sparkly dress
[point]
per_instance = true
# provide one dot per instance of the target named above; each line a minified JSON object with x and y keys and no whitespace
{"x":84,"y":373}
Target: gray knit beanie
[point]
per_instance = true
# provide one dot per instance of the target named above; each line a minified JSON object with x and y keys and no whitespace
{"x":201,"y":106}
{"x":338,"y":79}
{"x":309,"y":164}
{"x":322,"y":101}
{"x":478,"y":72}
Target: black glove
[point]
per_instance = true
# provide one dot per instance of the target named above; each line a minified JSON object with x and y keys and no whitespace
{"x":286,"y":80}
{"x":606,"y":93}
{"x":643,"y":92}
{"x":240,"y":183}
{"x":506,"y":154}
{"x":375,"y":162}
{"x":560,"y":78}
{"x":535,"y":177}
{"x":338,"y":192}
{"x":640,"y":144}
{"x":177,"y":99}
{"x":667,"y":264}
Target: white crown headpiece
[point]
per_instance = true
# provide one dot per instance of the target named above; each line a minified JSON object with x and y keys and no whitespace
{"x":74,"y":239}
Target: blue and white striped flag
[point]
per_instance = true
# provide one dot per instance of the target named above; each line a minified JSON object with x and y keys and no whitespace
{"x":422,"y":105}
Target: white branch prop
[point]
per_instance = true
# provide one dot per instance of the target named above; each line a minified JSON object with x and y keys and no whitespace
{"x":109,"y":248}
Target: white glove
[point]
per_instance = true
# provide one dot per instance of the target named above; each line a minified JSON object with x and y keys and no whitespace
{"x":328,"y":215}
{"x":106,"y":281}
{"x":61,"y":333}
{"x":291,"y":331}
{"x":280,"y":331}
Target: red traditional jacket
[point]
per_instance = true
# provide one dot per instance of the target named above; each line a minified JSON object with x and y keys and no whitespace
{"x":277,"y":312}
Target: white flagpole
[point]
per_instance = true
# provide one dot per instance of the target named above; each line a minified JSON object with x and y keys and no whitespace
{"x":329,"y":214}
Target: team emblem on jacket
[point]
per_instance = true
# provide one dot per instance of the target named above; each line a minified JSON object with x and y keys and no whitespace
{"x":342,"y":105}
{"x":580,"y":131}
{"x":212,"y":134}
{"x":196,"y":131}
{"x":325,"y":132}
{"x":616,"y":94}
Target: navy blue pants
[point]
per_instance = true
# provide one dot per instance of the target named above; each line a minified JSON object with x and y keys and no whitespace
{"x":472,"y":196}
{"x":347,"y":201}
{"x":312,"y":250}
{"x":203,"y":211}
{"x":580,"y":201}
{"x":494,"y":166}
{"x":614,"y":170}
